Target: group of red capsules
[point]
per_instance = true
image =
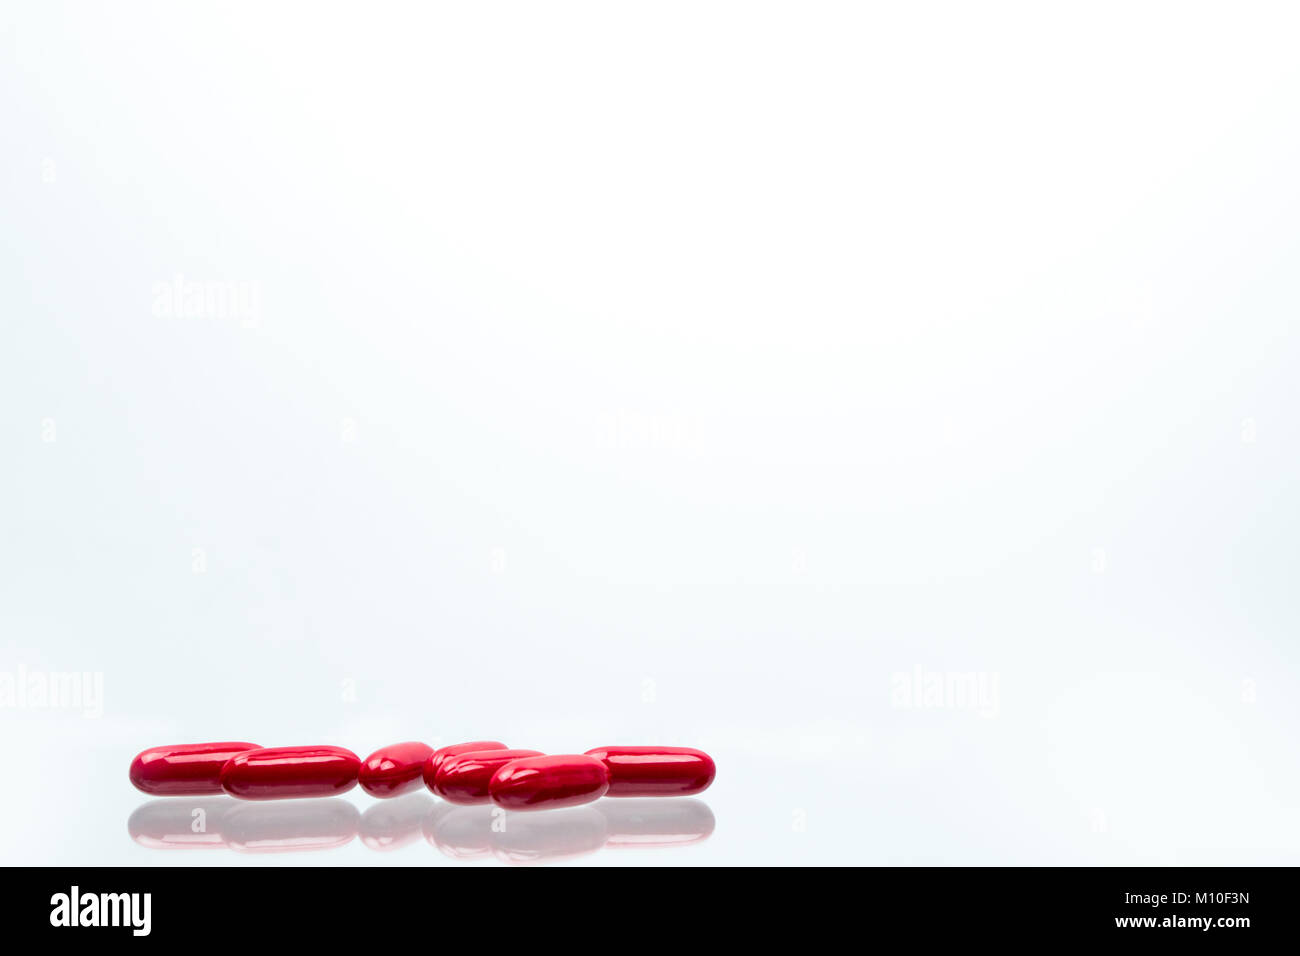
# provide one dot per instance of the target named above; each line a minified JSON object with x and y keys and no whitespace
{"x":477,"y":772}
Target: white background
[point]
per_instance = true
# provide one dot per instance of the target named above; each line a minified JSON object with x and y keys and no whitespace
{"x":666,"y":373}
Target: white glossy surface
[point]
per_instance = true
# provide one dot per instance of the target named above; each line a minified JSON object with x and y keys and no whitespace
{"x":682,"y":373}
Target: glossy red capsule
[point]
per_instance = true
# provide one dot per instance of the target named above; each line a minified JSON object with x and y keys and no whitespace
{"x":464,"y":778}
{"x":544,"y":783}
{"x":434,"y":763}
{"x":184,"y":770}
{"x":394,"y":770}
{"x":655,"y":771}
{"x":276,"y":773}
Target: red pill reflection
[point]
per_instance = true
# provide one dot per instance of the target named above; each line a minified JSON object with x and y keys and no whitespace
{"x":652,"y":823}
{"x":544,"y":837}
{"x":394,"y":824}
{"x":462,"y":833}
{"x":179,"y":824}
{"x":292,"y":826}
{"x":484,"y":832}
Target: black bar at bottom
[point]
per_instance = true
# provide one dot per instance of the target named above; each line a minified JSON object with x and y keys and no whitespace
{"x":962,"y":904}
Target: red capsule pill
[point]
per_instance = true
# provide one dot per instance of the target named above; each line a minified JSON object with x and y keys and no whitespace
{"x":276,"y":773}
{"x":432,"y":765}
{"x":655,"y":771}
{"x":394,"y":770}
{"x":464,"y":778}
{"x":543,"y":783}
{"x":184,"y":770}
